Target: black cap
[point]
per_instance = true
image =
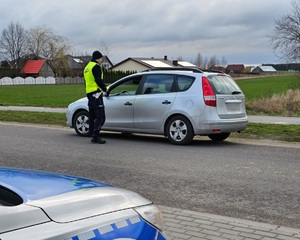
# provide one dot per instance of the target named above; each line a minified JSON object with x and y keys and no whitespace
{"x":97,"y":55}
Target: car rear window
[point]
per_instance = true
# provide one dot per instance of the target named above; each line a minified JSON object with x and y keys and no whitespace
{"x":184,"y":82}
{"x":223,"y":84}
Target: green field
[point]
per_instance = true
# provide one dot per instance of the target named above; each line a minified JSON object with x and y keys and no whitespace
{"x":266,"y":87}
{"x":41,"y":95}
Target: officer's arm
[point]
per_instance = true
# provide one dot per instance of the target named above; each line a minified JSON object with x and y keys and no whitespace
{"x":97,"y":74}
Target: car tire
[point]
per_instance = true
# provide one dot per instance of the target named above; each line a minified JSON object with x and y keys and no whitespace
{"x":81,"y":124}
{"x":179,"y":130}
{"x":219,"y":137}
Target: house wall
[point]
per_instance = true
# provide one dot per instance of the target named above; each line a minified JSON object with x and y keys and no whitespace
{"x":130,"y":65}
{"x":46,"y":71}
{"x":257,"y":70}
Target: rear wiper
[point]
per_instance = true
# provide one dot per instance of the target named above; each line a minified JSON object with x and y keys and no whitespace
{"x":236,"y":92}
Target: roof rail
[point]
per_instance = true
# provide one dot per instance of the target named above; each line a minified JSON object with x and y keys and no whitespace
{"x":211,"y":70}
{"x":174,"y":69}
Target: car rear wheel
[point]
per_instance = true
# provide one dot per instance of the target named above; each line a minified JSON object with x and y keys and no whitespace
{"x":219,"y":137}
{"x":81,"y":124}
{"x":179,"y":130}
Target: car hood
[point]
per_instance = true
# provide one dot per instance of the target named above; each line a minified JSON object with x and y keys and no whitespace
{"x":83,"y":99}
{"x":68,"y":207}
{"x":61,"y":198}
{"x":88,"y":202}
{"x":33,"y":185}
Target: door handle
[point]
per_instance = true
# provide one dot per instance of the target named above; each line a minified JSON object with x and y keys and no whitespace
{"x":128,"y":104}
{"x":166,"y":102}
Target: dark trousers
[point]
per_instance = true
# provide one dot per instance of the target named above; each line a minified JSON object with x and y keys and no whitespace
{"x":96,"y":115}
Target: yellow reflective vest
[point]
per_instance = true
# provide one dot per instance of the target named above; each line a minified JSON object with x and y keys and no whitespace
{"x":90,"y":83}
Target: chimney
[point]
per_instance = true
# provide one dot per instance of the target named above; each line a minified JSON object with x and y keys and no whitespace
{"x":175,"y":62}
{"x":165,"y":57}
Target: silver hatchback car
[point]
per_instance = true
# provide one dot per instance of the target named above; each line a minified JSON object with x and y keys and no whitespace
{"x":174,"y":102}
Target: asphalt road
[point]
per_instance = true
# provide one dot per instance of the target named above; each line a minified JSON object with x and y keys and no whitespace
{"x":251,"y":180}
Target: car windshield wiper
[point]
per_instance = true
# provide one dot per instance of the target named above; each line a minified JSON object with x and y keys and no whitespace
{"x":236,"y":92}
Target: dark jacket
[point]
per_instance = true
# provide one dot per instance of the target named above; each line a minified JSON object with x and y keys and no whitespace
{"x":97,"y":72}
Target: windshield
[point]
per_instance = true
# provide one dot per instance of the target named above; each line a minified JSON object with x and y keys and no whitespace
{"x":223,"y":84}
{"x":9,"y":198}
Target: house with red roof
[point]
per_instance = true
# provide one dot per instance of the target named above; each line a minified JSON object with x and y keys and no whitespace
{"x":235,"y":68}
{"x":37,"y":68}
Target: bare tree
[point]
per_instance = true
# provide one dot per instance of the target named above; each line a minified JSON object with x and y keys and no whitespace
{"x":104,"y":48}
{"x":199,"y":60}
{"x":205,"y":63}
{"x":212,"y":62}
{"x":13,"y":44}
{"x":44,"y":43}
{"x":223,"y":61}
{"x":179,"y":58}
{"x":286,"y":38}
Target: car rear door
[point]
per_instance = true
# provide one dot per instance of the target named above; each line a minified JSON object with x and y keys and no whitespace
{"x":229,"y":97}
{"x":154,"y":101}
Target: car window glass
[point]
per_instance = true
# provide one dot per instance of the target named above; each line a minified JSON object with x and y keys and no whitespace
{"x":128,"y":87}
{"x":184,"y":82}
{"x":160,"y":83}
{"x":9,"y":198}
{"x":223,"y":84}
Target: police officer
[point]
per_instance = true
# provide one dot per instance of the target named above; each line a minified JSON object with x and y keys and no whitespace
{"x":94,"y":83}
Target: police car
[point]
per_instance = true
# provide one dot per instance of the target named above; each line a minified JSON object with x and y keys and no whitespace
{"x":42,"y":205}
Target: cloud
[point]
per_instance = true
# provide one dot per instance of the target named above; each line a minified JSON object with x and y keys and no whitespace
{"x":234,"y":29}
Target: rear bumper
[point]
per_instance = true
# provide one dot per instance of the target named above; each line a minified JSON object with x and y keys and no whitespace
{"x":224,"y":125}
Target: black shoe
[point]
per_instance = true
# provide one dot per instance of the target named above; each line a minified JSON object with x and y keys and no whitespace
{"x":98,"y":140}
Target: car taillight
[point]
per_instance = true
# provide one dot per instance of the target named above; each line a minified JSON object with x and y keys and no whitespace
{"x":208,"y":93}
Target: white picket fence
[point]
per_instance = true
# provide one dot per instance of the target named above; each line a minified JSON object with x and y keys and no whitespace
{"x":39,"y":80}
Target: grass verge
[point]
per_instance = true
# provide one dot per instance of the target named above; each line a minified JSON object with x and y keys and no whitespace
{"x":288,"y":133}
{"x":34,"y":117}
{"x":275,"y":132}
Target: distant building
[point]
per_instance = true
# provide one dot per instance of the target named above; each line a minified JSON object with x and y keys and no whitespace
{"x":37,"y":68}
{"x":79,"y":62}
{"x":66,"y":66}
{"x":264,"y":69}
{"x":141,"y":64}
{"x":235,"y":68}
{"x":73,"y":65}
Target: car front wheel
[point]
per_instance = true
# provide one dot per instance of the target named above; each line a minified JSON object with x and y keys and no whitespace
{"x":81,"y":124}
{"x":219,"y":137}
{"x":179,"y":130}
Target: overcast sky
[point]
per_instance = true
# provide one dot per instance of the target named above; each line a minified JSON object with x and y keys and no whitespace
{"x":237,"y":30}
